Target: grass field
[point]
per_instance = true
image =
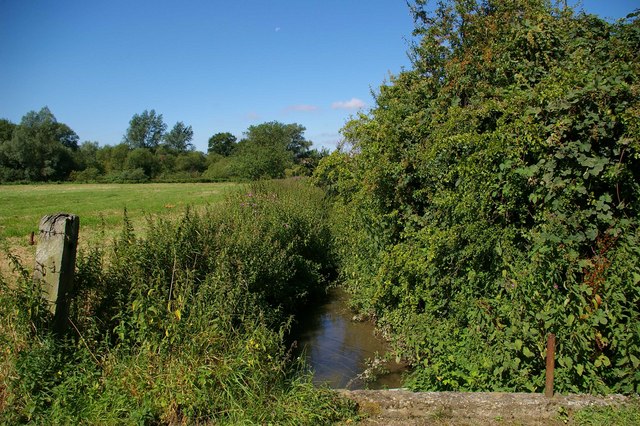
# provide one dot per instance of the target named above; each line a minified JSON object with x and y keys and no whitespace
{"x":22,"y":207}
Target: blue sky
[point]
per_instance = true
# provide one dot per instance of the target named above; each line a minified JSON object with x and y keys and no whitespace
{"x":215,"y":65}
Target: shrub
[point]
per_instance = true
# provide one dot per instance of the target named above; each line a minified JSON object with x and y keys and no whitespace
{"x":492,"y":196}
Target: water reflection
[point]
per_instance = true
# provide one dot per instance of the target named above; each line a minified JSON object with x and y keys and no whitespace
{"x":337,"y":347}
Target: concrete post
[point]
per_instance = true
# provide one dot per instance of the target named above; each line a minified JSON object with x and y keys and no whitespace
{"x":56,"y":262}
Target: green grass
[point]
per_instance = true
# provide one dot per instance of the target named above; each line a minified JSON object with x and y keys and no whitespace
{"x":22,"y":206}
{"x":628,"y":414}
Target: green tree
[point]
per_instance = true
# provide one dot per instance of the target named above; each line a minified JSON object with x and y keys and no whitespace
{"x":143,"y":159}
{"x":113,"y":158}
{"x":6,"y":130}
{"x":87,"y":156}
{"x":269,"y":149}
{"x":277,"y":135}
{"x":146,"y":130}
{"x":40,"y":148}
{"x":194,"y":162}
{"x":222,"y":144}
{"x":179,"y":138}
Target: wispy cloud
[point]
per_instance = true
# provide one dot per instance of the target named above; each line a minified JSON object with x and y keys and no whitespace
{"x":303,"y":108}
{"x":252,"y":116}
{"x":354,"y":103}
{"x":277,"y":29}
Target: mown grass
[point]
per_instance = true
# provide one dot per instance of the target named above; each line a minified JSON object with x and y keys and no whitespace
{"x":22,"y":206}
{"x":100,"y":207}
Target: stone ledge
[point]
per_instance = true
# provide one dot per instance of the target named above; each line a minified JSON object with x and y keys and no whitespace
{"x":396,"y":407}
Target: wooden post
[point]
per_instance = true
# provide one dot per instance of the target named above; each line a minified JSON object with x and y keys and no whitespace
{"x":56,"y":262}
{"x":551,"y":349}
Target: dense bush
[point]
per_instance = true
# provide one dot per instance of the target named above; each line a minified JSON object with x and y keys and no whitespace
{"x":492,"y":196}
{"x":184,"y":324}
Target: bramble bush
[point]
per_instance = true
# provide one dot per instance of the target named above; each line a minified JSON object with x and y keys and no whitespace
{"x":492,"y":196}
{"x":184,"y":324}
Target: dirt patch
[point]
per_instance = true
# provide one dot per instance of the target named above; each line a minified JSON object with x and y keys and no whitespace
{"x":401,"y":407}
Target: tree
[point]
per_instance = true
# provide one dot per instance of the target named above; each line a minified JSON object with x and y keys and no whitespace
{"x":6,"y":130}
{"x":87,"y":156}
{"x":145,"y":130}
{"x":143,"y":159}
{"x":179,"y":138}
{"x":269,"y":149}
{"x":275,"y":134}
{"x":40,"y":148}
{"x":194,"y":162}
{"x":222,"y":143}
{"x":113,"y":158}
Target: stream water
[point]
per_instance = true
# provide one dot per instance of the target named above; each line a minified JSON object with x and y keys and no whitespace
{"x":338,"y":348}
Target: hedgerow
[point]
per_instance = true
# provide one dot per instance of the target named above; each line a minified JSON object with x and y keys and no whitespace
{"x":492,"y":197}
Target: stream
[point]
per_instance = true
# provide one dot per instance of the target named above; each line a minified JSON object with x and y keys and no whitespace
{"x":337,"y":348}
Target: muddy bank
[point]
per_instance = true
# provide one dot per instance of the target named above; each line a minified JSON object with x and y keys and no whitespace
{"x":400,"y":407}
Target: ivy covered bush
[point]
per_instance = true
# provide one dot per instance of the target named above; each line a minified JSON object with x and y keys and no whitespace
{"x":492,"y":196}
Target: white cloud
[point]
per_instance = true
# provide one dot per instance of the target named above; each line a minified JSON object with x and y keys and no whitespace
{"x":354,"y":103}
{"x":277,"y":29}
{"x":303,"y":108}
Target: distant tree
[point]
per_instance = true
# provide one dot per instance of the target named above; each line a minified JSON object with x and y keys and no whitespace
{"x":6,"y":130}
{"x":145,"y":130}
{"x":270,"y":150}
{"x":166,"y":158}
{"x":113,"y":158}
{"x":276,"y":134}
{"x":40,"y":148}
{"x":191,"y":162}
{"x":87,"y":156}
{"x":143,"y":158}
{"x":179,"y":138}
{"x":222,"y":143}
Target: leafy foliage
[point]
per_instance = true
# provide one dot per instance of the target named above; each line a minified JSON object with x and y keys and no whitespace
{"x":492,"y":196}
{"x":179,"y":138}
{"x":185,"y":325}
{"x":270,"y":150}
{"x":38,"y":149}
{"x":222,"y":144}
{"x":41,"y":149}
{"x":146,"y":130}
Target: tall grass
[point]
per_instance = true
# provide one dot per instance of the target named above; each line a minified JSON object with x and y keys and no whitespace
{"x":184,"y":325}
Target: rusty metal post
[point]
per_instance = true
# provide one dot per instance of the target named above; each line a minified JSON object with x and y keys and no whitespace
{"x":551,"y":349}
{"x":56,"y":262}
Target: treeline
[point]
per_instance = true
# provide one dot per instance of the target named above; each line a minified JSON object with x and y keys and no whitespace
{"x":41,"y":149}
{"x":492,"y":196}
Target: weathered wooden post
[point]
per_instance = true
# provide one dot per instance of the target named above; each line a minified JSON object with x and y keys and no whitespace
{"x":56,"y":262}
